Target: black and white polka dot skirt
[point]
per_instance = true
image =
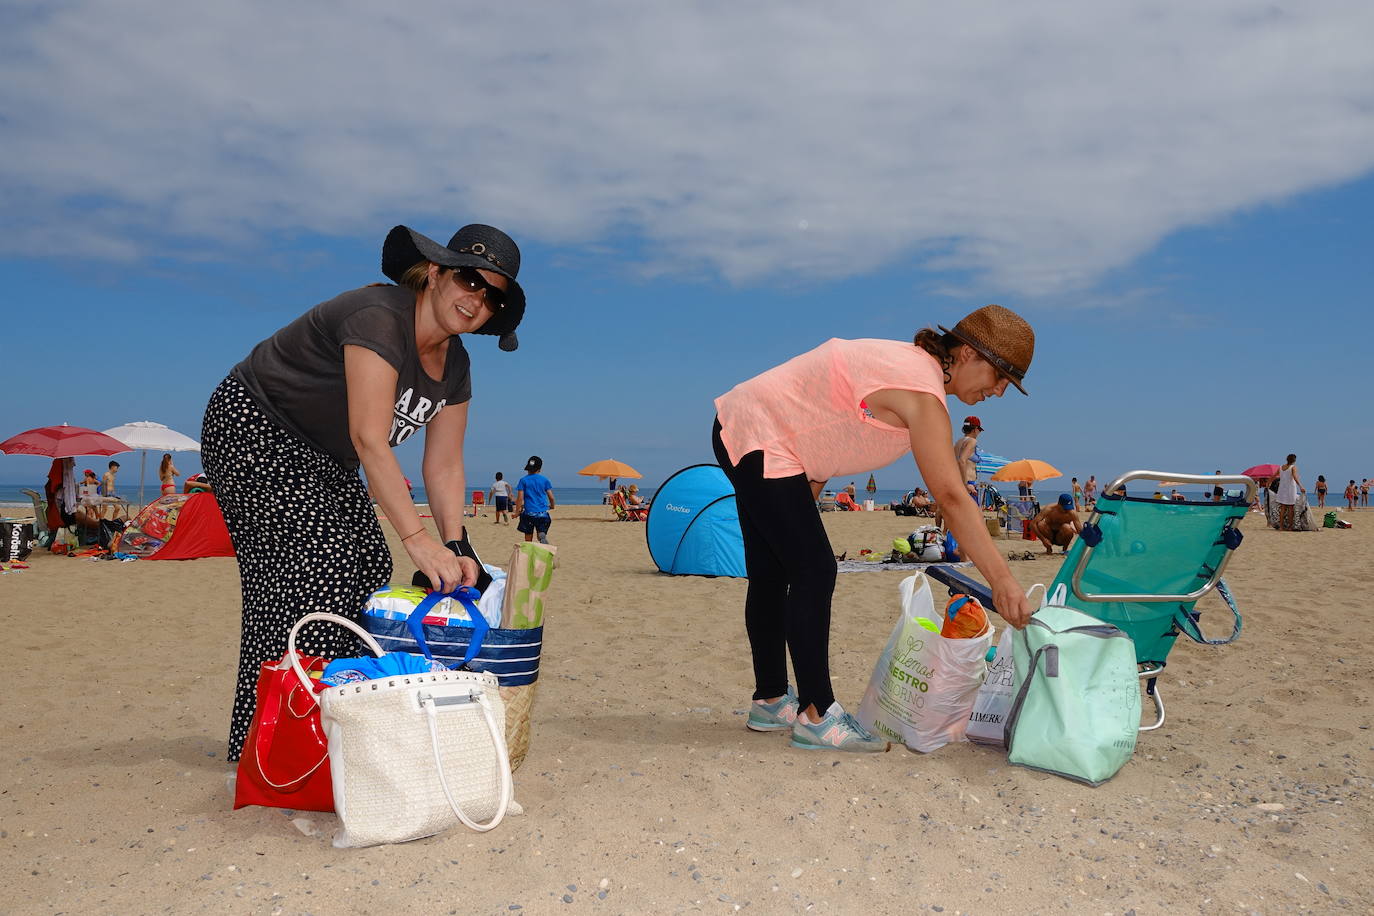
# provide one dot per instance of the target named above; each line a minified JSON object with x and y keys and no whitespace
{"x":305,"y":533}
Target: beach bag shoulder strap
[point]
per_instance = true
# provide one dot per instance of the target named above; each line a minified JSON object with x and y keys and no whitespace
{"x":1187,"y":621}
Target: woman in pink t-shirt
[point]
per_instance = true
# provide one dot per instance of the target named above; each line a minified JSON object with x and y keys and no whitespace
{"x":846,"y":407}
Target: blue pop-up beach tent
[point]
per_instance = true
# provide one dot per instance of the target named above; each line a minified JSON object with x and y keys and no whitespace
{"x":693,"y":525}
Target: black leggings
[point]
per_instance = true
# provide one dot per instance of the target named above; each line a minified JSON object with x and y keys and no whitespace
{"x":791,"y":570}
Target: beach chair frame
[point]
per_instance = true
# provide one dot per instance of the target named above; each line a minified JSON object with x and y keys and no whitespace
{"x":1153,"y":637}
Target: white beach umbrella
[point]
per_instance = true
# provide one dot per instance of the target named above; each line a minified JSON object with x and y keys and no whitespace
{"x":147,"y":435}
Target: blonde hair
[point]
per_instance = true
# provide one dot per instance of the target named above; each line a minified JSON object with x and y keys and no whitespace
{"x":416,"y":277}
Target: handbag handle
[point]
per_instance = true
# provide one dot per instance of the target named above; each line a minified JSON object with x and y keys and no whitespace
{"x":463,"y":595}
{"x":267,"y":728}
{"x":502,"y":759}
{"x":344,"y":622}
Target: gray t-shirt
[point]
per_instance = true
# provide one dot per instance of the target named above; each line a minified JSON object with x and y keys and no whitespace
{"x":297,"y":374}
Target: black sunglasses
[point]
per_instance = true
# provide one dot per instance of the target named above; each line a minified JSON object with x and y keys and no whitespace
{"x":474,"y":282}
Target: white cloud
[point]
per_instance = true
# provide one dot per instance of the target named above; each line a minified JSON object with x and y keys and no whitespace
{"x":1036,"y":145}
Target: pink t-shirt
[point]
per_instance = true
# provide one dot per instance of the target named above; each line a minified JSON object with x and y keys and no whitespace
{"x":805,"y":415}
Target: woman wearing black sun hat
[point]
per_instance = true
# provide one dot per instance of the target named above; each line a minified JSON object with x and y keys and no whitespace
{"x":285,"y":434}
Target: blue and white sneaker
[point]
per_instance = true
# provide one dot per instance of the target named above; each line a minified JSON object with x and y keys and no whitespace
{"x":773,"y":717}
{"x":838,"y":731}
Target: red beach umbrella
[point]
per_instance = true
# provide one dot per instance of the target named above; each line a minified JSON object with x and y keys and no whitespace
{"x":1261,"y":471}
{"x":62,"y":442}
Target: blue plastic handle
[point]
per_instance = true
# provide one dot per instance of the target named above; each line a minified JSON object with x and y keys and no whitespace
{"x":464,"y":595}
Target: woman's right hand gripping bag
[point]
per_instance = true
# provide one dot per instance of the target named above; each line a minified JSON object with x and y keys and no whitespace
{"x":1076,"y":710}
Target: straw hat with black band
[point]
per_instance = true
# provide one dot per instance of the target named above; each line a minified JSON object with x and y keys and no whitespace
{"x":477,"y":246}
{"x":1001,"y":337}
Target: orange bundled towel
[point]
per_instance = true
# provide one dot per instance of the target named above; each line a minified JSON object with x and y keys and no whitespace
{"x":964,"y":618}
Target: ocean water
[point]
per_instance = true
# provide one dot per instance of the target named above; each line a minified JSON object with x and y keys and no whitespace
{"x":11,"y":493}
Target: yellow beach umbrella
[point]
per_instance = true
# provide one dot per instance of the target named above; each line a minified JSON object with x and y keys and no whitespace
{"x":609,"y":467}
{"x":1028,"y":470}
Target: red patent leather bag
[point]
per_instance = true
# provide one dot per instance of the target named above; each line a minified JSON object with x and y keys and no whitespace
{"x":285,"y":760}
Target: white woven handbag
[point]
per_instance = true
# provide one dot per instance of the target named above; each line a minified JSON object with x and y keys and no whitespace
{"x":412,"y":755}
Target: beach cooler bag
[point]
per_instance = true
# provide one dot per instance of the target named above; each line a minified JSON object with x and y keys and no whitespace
{"x":1329,"y":520}
{"x":509,"y":653}
{"x":16,"y":540}
{"x":1076,"y":712}
{"x":923,"y":687}
{"x":285,"y":759}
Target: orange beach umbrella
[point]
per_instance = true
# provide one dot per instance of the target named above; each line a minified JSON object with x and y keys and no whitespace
{"x":1028,"y":470}
{"x":609,"y":467}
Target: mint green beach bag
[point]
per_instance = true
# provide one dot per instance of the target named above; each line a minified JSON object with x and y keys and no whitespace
{"x":1076,"y":709}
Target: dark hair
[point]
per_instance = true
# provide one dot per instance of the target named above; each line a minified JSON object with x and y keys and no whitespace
{"x":498,"y":475}
{"x":114,"y":464}
{"x":1321,"y":478}
{"x":940,"y":346}
{"x":1290,"y":459}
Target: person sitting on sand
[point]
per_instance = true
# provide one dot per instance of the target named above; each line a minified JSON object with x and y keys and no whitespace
{"x":844,"y":501}
{"x":1057,"y":524}
{"x":197,"y":483}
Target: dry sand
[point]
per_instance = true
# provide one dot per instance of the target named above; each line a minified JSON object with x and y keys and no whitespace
{"x":643,"y":791}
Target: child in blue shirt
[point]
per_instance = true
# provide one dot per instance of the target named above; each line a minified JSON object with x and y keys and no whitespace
{"x":533,"y":500}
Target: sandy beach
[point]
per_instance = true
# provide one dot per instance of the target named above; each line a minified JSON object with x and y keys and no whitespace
{"x":644,"y":793}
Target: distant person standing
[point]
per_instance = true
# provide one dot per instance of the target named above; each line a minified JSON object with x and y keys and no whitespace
{"x":1077,"y":495}
{"x":107,"y":480}
{"x":1090,"y":492}
{"x":1364,"y":492}
{"x":1217,"y":492}
{"x":1352,"y":495}
{"x":963,"y":453}
{"x":1321,"y":491}
{"x":500,"y":498}
{"x":1289,"y":487}
{"x":533,"y":500}
{"x":167,"y":473}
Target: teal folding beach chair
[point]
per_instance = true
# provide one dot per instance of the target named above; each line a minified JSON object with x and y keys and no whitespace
{"x":1142,"y":564}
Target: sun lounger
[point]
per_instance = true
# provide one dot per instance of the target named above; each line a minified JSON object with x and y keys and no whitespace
{"x":1142,"y":564}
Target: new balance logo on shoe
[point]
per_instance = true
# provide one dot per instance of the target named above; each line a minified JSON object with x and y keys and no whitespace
{"x":835,"y":735}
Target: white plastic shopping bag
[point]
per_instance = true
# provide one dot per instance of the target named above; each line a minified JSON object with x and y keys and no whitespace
{"x":924,"y":685}
{"x":988,"y":722}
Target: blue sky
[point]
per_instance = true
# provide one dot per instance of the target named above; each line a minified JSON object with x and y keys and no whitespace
{"x":1177,"y":199}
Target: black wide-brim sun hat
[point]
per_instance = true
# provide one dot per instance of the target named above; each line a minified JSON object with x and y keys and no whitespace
{"x":477,"y":246}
